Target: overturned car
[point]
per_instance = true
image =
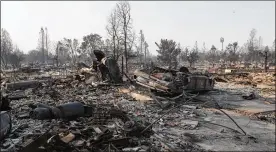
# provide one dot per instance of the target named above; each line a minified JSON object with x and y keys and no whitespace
{"x":173,"y":81}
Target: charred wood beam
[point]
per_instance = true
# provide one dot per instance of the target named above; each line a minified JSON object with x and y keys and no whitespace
{"x":147,"y":76}
{"x":34,"y":144}
{"x":21,"y":85}
{"x":150,"y":87}
{"x":162,"y":105}
{"x":16,"y":97}
{"x":144,"y":81}
{"x":128,"y":77}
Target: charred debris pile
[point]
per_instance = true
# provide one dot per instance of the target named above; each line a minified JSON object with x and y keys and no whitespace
{"x":84,"y":111}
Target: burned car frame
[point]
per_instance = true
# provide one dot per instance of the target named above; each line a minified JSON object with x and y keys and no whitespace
{"x":173,"y":81}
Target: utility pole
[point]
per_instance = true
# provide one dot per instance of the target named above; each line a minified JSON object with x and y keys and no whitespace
{"x":46,"y":43}
{"x":42,"y":45}
{"x":142,"y":40}
{"x":204,"y":48}
{"x":146,"y":46}
{"x":196,"y":46}
{"x":221,"y":41}
{"x":260,"y":42}
{"x":266,"y":57}
{"x":56,"y":56}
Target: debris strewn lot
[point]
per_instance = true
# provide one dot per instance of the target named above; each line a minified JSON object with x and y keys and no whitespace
{"x":74,"y":114}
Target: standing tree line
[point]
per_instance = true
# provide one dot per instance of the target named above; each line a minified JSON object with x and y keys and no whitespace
{"x":10,"y":53}
{"x":251,"y":52}
{"x":124,"y":44}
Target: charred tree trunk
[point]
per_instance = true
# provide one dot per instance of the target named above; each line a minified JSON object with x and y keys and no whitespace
{"x":126,"y":58}
{"x":266,"y":56}
{"x":114,"y":47}
{"x":122,"y":66}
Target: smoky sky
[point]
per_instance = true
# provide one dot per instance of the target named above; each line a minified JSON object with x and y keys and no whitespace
{"x":183,"y":21}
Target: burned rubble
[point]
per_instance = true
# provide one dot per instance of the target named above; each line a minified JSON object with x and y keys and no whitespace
{"x":158,"y":110}
{"x":81,"y":77}
{"x":93,"y":127}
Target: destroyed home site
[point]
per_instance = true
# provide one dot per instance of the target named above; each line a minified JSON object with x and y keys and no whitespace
{"x":113,"y":94}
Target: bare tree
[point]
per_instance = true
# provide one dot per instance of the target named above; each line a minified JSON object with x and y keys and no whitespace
{"x":107,"y":46}
{"x":76,"y":46}
{"x":131,"y":42}
{"x":73,"y":46}
{"x":253,"y":47}
{"x":212,"y":55}
{"x":243,"y":53}
{"x":42,"y":34}
{"x":272,"y":52}
{"x":265,"y":54}
{"x":260,"y":42}
{"x":139,"y":61}
{"x":6,"y":47}
{"x":113,"y":32}
{"x":43,"y":44}
{"x":142,"y":41}
{"x":202,"y":54}
{"x":146,"y":54}
{"x":123,"y":12}
{"x":63,"y":52}
{"x":47,"y":43}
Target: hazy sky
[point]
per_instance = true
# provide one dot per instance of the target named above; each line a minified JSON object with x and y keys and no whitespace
{"x":184,"y":22}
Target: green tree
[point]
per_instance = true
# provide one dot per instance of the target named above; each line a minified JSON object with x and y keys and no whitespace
{"x":193,"y":55}
{"x":184,"y":54}
{"x":90,"y":43}
{"x":16,"y":57}
{"x":168,"y":52}
{"x":232,"y":52}
{"x":34,"y":56}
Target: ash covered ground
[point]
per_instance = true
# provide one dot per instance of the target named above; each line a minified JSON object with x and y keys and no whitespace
{"x":197,"y":124}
